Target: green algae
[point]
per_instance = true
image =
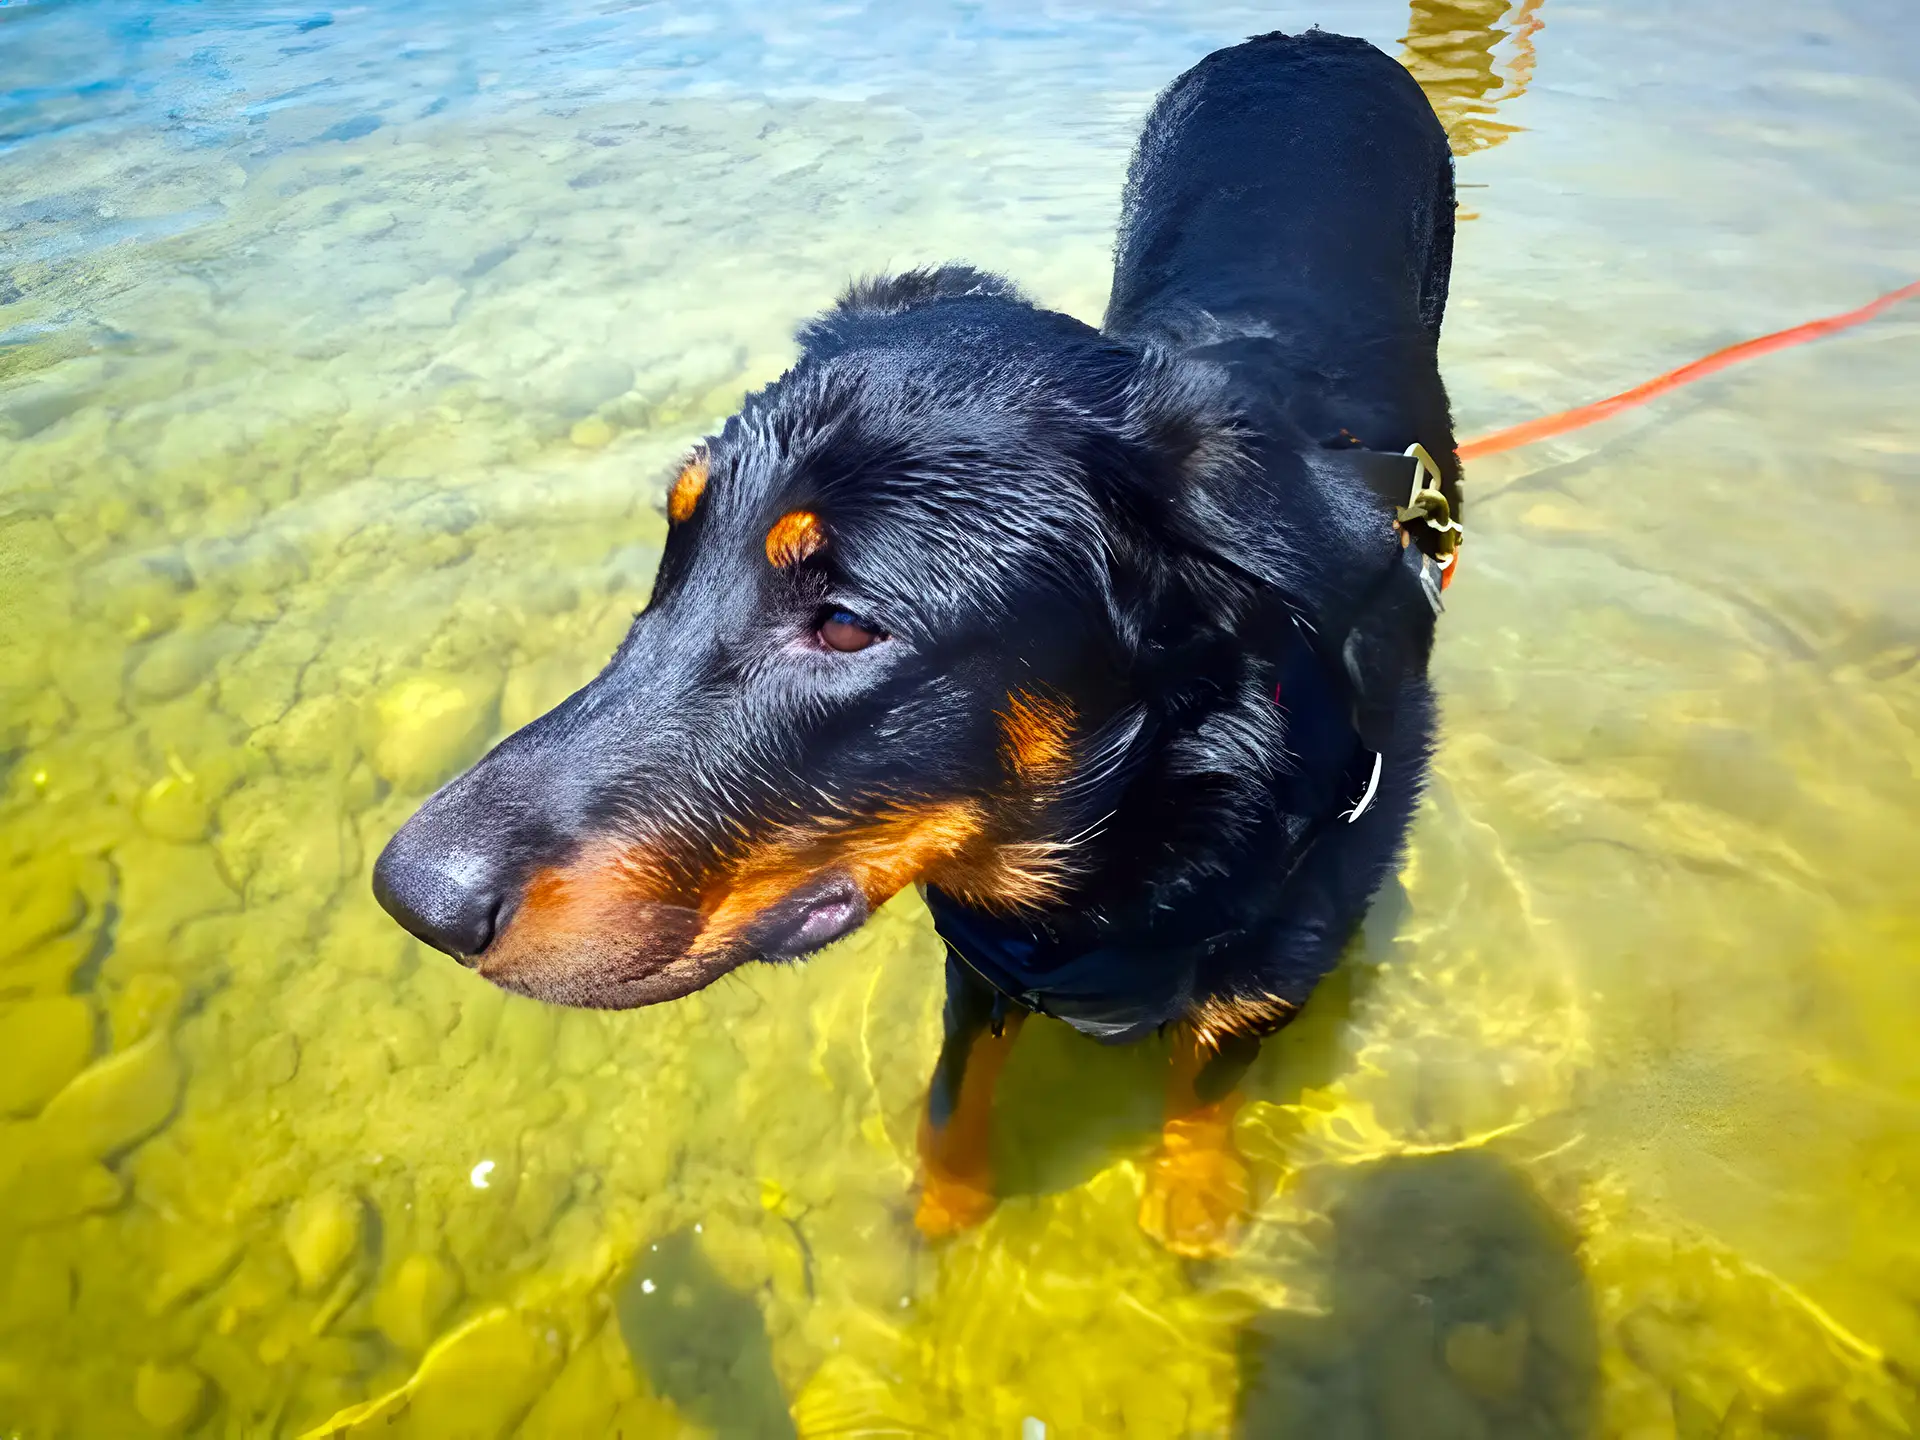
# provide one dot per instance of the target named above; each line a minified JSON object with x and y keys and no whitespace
{"x":1606,"y":1126}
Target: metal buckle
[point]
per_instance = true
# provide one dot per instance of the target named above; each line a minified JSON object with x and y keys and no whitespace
{"x":1427,"y":503}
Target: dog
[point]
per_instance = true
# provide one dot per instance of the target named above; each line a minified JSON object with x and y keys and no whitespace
{"x":1114,"y":642}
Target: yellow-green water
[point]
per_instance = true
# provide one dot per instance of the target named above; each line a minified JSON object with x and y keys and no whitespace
{"x":330,"y":450}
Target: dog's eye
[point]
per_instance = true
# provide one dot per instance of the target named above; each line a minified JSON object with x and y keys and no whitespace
{"x":845,"y":631}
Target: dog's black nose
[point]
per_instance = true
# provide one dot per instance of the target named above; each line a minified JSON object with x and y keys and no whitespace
{"x":445,"y":896}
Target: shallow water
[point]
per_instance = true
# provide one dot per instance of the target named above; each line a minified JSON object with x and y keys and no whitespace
{"x":343,"y":356}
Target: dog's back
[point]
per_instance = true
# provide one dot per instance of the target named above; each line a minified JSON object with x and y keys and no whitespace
{"x":1288,"y":219}
{"x":1289,"y":212}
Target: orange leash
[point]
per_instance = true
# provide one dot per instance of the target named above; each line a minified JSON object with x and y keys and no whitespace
{"x":1547,"y":425}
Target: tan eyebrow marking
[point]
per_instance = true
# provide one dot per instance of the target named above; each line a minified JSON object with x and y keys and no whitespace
{"x":794,"y":537}
{"x":687,"y":489}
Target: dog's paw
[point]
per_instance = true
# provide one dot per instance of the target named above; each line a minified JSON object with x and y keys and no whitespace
{"x":950,"y":1204}
{"x":1197,"y":1194}
{"x":956,"y":1184}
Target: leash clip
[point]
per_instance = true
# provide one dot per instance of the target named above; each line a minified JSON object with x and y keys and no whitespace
{"x":1427,"y":504}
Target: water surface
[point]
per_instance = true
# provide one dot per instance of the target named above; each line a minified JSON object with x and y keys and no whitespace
{"x":343,"y":356}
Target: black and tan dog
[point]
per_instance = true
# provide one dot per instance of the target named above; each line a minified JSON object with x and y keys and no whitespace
{"x":1115,"y":641}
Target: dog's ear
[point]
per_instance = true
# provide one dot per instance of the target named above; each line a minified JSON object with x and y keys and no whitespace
{"x":1299,"y":518}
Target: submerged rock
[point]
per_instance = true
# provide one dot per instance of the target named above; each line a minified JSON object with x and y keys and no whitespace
{"x":481,"y":1009}
{"x":598,"y":1380}
{"x":415,"y":1299}
{"x":427,"y":726}
{"x":408,"y":1038}
{"x":322,"y":1233}
{"x":177,"y":808}
{"x":147,"y":1003}
{"x":262,"y":564}
{"x":583,"y":1044}
{"x":537,"y":686}
{"x":192,"y":1261}
{"x":182,"y":659}
{"x":317,"y":734}
{"x":162,"y":885}
{"x":114,"y":1104}
{"x":592,"y":433}
{"x":140,"y":594}
{"x":43,"y":899}
{"x":274,"y":1060}
{"x":279,"y":839}
{"x":40,"y":1287}
{"x":169,"y":1397}
{"x":48,"y":969}
{"x":258,"y":687}
{"x":362,"y":939}
{"x":525,"y":1038}
{"x":585,"y":385}
{"x":52,"y":1189}
{"x":474,"y":1385}
{"x":46,"y":1043}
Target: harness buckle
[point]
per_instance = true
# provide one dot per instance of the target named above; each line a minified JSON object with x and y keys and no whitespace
{"x":1427,"y":505}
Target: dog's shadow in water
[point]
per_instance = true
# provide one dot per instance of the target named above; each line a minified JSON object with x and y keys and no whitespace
{"x":702,"y":1344}
{"x":1456,"y":1310}
{"x":1455,"y":1305}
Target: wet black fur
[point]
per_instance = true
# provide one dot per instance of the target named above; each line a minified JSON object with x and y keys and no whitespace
{"x":1159,"y":521}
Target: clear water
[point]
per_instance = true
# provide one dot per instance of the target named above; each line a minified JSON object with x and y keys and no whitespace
{"x":342,"y":357}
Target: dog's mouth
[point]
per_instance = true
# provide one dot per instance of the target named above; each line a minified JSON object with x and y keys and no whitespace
{"x":574,"y":944}
{"x":618,"y":924}
{"x":812,"y":917}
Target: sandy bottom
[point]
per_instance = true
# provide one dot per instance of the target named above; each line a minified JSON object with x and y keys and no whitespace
{"x":332,"y":452}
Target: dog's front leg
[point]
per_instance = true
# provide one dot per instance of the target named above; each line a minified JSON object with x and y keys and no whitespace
{"x":956,"y":1132}
{"x":1197,"y":1197}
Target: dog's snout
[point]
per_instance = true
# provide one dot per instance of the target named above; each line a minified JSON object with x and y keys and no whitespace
{"x":450,"y":899}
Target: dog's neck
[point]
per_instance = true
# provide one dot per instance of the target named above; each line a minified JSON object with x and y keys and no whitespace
{"x":1234,"y":772}
{"x":1241,"y":762}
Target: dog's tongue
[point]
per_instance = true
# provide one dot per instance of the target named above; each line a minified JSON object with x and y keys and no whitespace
{"x":814,"y":915}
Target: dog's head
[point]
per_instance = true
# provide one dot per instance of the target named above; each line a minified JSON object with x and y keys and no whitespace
{"x":913,"y":599}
